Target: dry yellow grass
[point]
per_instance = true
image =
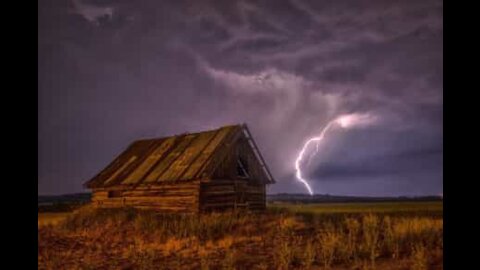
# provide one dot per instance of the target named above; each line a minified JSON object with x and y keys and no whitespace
{"x":132,"y":239}
{"x":45,"y":219}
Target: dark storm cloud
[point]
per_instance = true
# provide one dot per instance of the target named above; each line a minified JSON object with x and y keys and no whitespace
{"x":114,"y":71}
{"x":397,"y":164}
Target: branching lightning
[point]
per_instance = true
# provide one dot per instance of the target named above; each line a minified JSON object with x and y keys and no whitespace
{"x":343,"y":121}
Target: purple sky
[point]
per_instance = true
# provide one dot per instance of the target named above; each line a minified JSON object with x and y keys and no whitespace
{"x":111,"y":72}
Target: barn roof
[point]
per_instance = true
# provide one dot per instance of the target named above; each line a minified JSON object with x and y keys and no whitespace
{"x":177,"y":158}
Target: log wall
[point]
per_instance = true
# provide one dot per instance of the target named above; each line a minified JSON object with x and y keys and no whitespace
{"x":173,"y":197}
{"x":190,"y":197}
{"x":221,"y":195}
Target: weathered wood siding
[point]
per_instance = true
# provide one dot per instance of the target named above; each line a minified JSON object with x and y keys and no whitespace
{"x":192,"y":197}
{"x":256,"y":197}
{"x":218,"y":195}
{"x":173,"y":197}
{"x":228,"y":190}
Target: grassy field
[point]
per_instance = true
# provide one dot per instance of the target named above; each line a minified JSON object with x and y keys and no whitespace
{"x":434,"y":208}
{"x":400,"y":235}
{"x":45,"y":219}
{"x":415,"y":208}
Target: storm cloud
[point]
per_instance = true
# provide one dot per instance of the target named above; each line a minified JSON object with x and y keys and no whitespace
{"x":111,"y":72}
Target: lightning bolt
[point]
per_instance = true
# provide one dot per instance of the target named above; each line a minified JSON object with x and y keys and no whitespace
{"x":343,"y":121}
{"x":302,"y":152}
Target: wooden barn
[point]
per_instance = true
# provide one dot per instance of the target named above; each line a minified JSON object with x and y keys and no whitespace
{"x":199,"y":172}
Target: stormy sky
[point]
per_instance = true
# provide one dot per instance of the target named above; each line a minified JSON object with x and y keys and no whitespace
{"x":111,"y":72}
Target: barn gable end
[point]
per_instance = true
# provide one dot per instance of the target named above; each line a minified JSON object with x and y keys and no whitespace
{"x":238,"y":179}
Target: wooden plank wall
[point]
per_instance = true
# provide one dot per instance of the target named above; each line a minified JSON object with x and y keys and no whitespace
{"x":226,"y":190}
{"x":256,"y":197}
{"x":218,"y":195}
{"x":172,"y":197}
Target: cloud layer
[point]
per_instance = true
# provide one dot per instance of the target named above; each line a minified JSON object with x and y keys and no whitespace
{"x":114,"y":71}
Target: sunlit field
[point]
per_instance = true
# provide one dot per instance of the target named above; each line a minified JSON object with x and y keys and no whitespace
{"x":415,"y":208}
{"x":400,"y":235}
{"x":51,"y":218}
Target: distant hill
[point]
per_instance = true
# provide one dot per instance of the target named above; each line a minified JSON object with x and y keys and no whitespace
{"x":65,"y":198}
{"x":81,"y":198}
{"x":62,"y":203}
{"x":319,"y":198}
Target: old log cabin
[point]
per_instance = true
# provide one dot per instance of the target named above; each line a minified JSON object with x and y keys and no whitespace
{"x":199,"y":172}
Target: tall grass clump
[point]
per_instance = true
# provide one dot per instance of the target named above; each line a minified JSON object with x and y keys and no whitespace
{"x":145,"y":260}
{"x":371,"y":233}
{"x":147,"y":222}
{"x":205,"y":227}
{"x":283,"y":253}
{"x":87,"y":217}
{"x":419,"y":260}
{"x":284,"y":246}
{"x":352,"y":228}
{"x":308,"y":257}
{"x":229,"y":261}
{"x":425,"y":231}
{"x":391,"y":246}
{"x":328,"y":241}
